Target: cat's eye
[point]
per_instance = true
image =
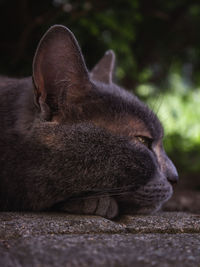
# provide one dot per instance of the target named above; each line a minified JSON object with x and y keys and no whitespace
{"x":145,"y":141}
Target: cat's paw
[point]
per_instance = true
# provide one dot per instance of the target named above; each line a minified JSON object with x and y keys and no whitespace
{"x":103,"y":206}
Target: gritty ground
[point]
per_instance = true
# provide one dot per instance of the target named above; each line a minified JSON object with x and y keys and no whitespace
{"x":58,"y":239}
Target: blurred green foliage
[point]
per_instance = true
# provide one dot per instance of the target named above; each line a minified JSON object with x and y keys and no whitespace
{"x":178,"y":108}
{"x":157,"y":44}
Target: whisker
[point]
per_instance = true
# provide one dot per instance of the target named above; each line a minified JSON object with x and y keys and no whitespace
{"x":157,"y":104}
{"x":103,"y":194}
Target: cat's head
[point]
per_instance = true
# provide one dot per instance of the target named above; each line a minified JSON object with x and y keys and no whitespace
{"x":67,"y":95}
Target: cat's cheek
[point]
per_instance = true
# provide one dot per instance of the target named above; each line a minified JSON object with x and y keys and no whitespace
{"x":148,"y":199}
{"x":159,"y":202}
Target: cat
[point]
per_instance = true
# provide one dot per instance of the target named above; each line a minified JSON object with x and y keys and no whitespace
{"x":74,"y":141}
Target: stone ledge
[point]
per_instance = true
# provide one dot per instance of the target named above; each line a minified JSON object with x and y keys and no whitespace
{"x":102,"y":250}
{"x":15,"y":225}
{"x":57,"y":239}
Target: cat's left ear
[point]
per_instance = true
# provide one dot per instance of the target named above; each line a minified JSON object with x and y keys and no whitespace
{"x":60,"y":75}
{"x":103,"y":70}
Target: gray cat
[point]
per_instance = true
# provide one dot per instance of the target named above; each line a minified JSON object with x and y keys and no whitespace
{"x":75,"y":141}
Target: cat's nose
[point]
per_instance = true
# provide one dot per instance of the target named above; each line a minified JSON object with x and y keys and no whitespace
{"x":173,"y":179}
{"x":170,"y":171}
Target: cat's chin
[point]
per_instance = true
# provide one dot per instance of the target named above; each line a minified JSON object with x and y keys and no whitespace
{"x":148,"y":210}
{"x":134,"y":209}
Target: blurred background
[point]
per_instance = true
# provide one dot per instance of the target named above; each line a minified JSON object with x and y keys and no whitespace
{"x":157,"y":44}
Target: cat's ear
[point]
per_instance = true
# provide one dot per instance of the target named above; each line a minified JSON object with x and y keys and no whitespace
{"x":58,"y":69}
{"x":103,"y":70}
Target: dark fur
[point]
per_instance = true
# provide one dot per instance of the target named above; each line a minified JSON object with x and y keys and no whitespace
{"x":69,"y":140}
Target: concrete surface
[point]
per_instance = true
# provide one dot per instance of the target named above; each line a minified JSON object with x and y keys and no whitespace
{"x":58,"y":239}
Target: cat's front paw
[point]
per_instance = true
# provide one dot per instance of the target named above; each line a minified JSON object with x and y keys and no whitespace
{"x":103,"y":206}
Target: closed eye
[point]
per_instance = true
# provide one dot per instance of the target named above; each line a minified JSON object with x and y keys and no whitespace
{"x":145,"y":141}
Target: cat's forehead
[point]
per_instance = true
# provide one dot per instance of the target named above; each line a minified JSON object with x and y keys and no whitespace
{"x":127,"y":112}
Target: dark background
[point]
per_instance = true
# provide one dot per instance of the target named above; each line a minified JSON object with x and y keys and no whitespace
{"x":157,"y":44}
{"x":143,"y":33}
